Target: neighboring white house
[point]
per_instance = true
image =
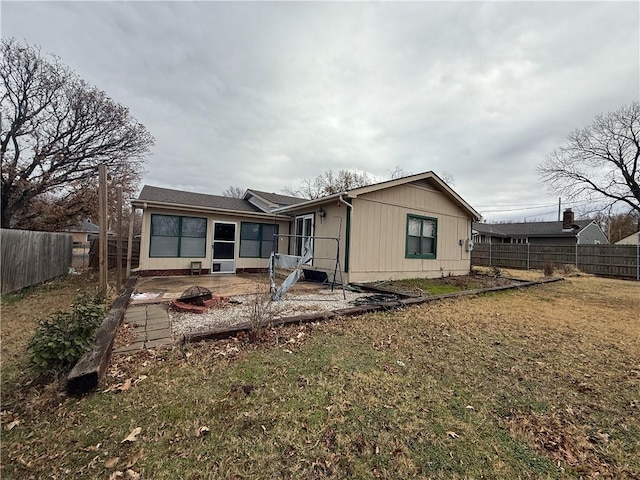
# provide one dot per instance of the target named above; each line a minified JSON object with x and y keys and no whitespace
{"x":632,"y":239}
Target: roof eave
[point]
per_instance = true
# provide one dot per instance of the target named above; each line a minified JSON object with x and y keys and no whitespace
{"x":310,"y":203}
{"x":195,"y":208}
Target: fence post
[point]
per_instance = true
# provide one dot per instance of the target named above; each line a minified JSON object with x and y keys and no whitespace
{"x":638,"y":259}
{"x":119,"y":239}
{"x":528,"y":256}
{"x":102,"y":217}
{"x":576,"y":255}
{"x":489,"y":252}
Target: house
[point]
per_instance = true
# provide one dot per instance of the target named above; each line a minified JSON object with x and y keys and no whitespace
{"x":83,"y":231}
{"x":415,"y":226}
{"x":566,"y":232}
{"x":633,"y":239}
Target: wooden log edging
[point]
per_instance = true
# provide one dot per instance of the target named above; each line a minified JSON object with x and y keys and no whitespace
{"x":86,"y":374}
{"x":232,"y":330}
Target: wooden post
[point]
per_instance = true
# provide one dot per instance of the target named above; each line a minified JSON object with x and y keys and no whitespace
{"x":119,"y":241}
{"x":132,"y":218}
{"x":102,"y":217}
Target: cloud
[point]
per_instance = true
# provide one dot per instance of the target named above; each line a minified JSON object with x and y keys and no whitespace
{"x":264,"y":95}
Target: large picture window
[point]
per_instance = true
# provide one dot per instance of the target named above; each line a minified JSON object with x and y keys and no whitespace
{"x":256,"y":239}
{"x":422,"y":235}
{"x":174,"y":236}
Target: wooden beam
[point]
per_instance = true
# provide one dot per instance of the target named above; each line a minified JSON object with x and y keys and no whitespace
{"x":232,"y":330}
{"x":103,"y":261}
{"x":119,"y":240}
{"x":86,"y":374}
{"x":132,"y":217}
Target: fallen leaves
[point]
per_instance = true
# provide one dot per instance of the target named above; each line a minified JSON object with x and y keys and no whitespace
{"x":12,"y":425}
{"x":453,"y":434}
{"x":126,"y":385}
{"x":126,"y":475}
{"x":132,"y":437}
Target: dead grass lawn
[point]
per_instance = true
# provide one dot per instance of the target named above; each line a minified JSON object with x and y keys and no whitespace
{"x":536,"y":383}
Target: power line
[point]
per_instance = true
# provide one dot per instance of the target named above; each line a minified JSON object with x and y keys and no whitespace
{"x":526,"y":206}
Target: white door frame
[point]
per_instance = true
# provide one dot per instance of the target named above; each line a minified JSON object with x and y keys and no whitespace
{"x":234,"y":242}
{"x":299,"y":241}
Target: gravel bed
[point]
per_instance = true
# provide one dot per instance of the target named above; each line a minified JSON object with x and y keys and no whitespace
{"x":232,"y":314}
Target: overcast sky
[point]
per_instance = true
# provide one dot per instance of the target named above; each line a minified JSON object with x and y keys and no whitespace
{"x":263,"y":95}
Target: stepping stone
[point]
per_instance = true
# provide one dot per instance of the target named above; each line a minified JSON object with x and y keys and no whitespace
{"x":159,"y":334}
{"x":158,"y":343}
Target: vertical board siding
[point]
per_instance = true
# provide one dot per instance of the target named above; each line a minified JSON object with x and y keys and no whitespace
{"x":609,"y":260}
{"x":29,"y":258}
{"x":333,"y":224}
{"x":379,"y":234}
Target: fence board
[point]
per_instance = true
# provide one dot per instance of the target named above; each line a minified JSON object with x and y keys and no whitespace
{"x":29,"y":257}
{"x":608,"y":260}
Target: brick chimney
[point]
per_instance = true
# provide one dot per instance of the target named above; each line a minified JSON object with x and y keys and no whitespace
{"x":567,"y":219}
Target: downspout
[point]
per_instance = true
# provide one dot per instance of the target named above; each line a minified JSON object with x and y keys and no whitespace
{"x":341,"y":200}
{"x":347,"y":236}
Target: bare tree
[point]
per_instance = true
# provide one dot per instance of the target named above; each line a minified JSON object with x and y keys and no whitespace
{"x":55,"y":129}
{"x":397,"y":172}
{"x":330,"y":182}
{"x":618,"y":226}
{"x":233,"y":192}
{"x":447,"y":178}
{"x":600,"y":162}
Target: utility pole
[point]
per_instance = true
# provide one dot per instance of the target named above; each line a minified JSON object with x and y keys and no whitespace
{"x":559,"y":207}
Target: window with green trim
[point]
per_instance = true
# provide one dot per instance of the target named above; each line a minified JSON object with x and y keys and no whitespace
{"x":256,"y":239}
{"x":176,"y":236}
{"x":422,"y":237}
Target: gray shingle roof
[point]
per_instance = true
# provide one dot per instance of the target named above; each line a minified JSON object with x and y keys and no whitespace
{"x":529,"y":229}
{"x":167,"y":195}
{"x":278,"y":199}
{"x":84,"y":226}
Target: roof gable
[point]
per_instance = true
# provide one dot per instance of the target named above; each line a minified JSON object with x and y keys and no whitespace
{"x":270,"y":200}
{"x":428,"y":178}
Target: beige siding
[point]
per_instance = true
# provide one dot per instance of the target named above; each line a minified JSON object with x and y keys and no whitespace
{"x":333,"y":224}
{"x":378,"y":235}
{"x":149,"y":263}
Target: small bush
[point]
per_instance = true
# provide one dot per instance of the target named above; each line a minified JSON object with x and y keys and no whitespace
{"x":569,"y":269}
{"x":548,"y":268}
{"x":261,"y":315}
{"x":63,"y":338}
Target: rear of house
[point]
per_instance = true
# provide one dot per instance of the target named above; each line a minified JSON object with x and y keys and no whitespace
{"x":415,"y":226}
{"x":181,"y":230}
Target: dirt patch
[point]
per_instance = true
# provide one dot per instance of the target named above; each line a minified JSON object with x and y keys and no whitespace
{"x":438,"y":286}
{"x":125,"y":335}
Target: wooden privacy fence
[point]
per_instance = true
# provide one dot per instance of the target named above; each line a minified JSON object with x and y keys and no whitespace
{"x":30,"y":257}
{"x":112,"y":246}
{"x":622,"y":261}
